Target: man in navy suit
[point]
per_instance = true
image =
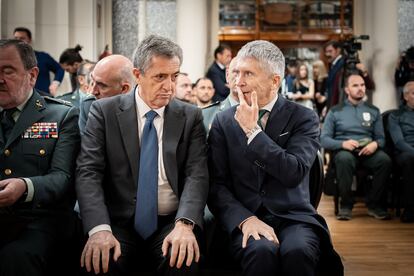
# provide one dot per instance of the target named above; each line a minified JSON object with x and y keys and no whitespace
{"x":260,"y":155}
{"x":217,"y":72}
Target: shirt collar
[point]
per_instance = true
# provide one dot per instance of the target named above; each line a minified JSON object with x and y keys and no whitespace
{"x":336,"y":60}
{"x":270,"y":105}
{"x":220,"y":65}
{"x":143,"y":108}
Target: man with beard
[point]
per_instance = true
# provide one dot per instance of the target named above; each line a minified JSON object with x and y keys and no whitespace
{"x":353,"y":131}
{"x":204,"y":92}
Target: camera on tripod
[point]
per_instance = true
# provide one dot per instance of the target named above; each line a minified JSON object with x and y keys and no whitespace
{"x":350,"y":47}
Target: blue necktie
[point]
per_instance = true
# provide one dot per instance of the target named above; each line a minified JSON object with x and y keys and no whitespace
{"x":146,"y":209}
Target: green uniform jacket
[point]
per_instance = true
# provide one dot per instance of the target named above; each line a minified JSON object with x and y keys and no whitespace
{"x":43,"y":147}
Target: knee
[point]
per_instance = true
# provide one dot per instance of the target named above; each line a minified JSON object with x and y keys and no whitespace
{"x":295,"y":254}
{"x":262,"y":249}
{"x":344,"y":158}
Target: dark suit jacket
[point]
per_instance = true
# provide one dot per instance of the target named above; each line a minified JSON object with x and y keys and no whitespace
{"x":49,"y":162}
{"x":107,"y":172}
{"x":218,"y":77}
{"x":272,"y":171}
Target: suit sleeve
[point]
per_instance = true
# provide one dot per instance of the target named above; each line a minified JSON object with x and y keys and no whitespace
{"x":222,"y":201}
{"x":328,"y":132}
{"x":91,"y":164}
{"x":55,"y":67}
{"x":219,"y":85}
{"x":58,"y":181}
{"x":290,"y":164}
{"x":194,"y":195}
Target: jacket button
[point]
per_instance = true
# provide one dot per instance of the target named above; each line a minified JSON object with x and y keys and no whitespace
{"x":42,"y":152}
{"x":7,"y":172}
{"x":7,"y":152}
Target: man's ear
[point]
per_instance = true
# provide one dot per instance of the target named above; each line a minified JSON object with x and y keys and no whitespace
{"x":33,"y":73}
{"x":137,"y":74}
{"x":276,"y":81}
{"x":126,"y":87}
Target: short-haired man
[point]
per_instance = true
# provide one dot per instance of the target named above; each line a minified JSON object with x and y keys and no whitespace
{"x":45,"y":63}
{"x":204,"y":92}
{"x":183,"y":87}
{"x":217,"y":72}
{"x":111,"y":76}
{"x":142,"y":178}
{"x":353,"y":131}
{"x":39,"y":142}
{"x":401,"y":128}
{"x":260,"y":155}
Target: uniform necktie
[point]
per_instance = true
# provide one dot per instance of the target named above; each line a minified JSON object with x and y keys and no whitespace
{"x":260,"y":120}
{"x":7,"y":121}
{"x":146,"y":209}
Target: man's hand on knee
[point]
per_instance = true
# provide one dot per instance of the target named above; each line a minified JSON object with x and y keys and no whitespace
{"x":254,"y":227}
{"x":98,"y":246}
{"x":183,"y":244}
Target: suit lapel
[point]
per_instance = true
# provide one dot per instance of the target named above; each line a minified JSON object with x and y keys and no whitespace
{"x":278,"y":119}
{"x":174,"y":121}
{"x":31,"y":113}
{"x":127,"y":119}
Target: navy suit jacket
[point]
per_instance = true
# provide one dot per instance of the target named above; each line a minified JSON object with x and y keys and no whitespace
{"x":271,"y":172}
{"x":218,"y":77}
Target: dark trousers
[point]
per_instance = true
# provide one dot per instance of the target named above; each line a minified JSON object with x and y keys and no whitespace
{"x":379,"y":164}
{"x":406,"y":162}
{"x":297,"y":253}
{"x":146,"y":255}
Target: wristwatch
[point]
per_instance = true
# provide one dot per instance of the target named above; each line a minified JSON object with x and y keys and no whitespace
{"x":186,"y":222}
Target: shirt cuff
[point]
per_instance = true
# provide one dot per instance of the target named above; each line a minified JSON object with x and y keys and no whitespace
{"x":251,"y":137}
{"x":192,"y":221}
{"x":99,"y":228}
{"x":30,"y":190}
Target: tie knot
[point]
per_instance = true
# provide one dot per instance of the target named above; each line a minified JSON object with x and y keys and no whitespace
{"x":150,"y":115}
{"x":262,"y":112}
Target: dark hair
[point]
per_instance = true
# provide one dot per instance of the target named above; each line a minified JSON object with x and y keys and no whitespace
{"x":23,"y":29}
{"x":200,"y":79}
{"x":71,"y":55}
{"x":152,"y":46}
{"x":333,"y":43}
{"x":26,"y":51}
{"x":220,"y":49}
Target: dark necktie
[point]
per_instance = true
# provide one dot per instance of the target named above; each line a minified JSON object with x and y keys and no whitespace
{"x":260,"y":122}
{"x":7,"y":121}
{"x":146,"y":209}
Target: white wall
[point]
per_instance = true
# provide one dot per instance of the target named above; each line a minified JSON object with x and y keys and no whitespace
{"x":192,"y":36}
{"x":379,"y":19}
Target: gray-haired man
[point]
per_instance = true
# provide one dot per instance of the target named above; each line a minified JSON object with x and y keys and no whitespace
{"x":142,"y":178}
{"x":260,"y":154}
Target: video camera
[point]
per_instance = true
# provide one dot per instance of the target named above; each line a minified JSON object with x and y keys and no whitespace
{"x":350,"y":48}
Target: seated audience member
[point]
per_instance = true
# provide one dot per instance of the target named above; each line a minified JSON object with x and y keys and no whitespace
{"x":45,"y":63}
{"x":142,"y":176}
{"x":260,"y":155}
{"x":210,"y":111}
{"x":303,"y":88}
{"x":353,"y":131}
{"x":183,"y":87}
{"x":111,"y":76}
{"x":401,"y":128}
{"x":70,"y":60}
{"x":291,"y":72}
{"x":36,"y":168}
{"x":319,"y":78}
{"x":217,"y":72}
{"x":75,"y":97}
{"x":204,"y":92}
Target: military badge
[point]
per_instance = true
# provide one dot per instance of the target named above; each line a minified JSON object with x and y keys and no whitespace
{"x":41,"y":130}
{"x":366,"y":116}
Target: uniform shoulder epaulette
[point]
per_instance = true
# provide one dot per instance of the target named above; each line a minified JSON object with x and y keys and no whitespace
{"x":210,"y":105}
{"x":372,"y":106}
{"x":89,"y":98}
{"x":337,"y":107}
{"x":47,"y":98}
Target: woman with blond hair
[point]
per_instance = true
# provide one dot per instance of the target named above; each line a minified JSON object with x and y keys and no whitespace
{"x":320,"y":75}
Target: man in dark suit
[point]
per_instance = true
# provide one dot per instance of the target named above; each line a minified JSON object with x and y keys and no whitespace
{"x":140,"y":197}
{"x":217,"y":72}
{"x":260,"y":155}
{"x":39,"y":142}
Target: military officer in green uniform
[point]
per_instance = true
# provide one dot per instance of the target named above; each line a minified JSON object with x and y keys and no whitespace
{"x":39,"y":142}
{"x":353,"y":131}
